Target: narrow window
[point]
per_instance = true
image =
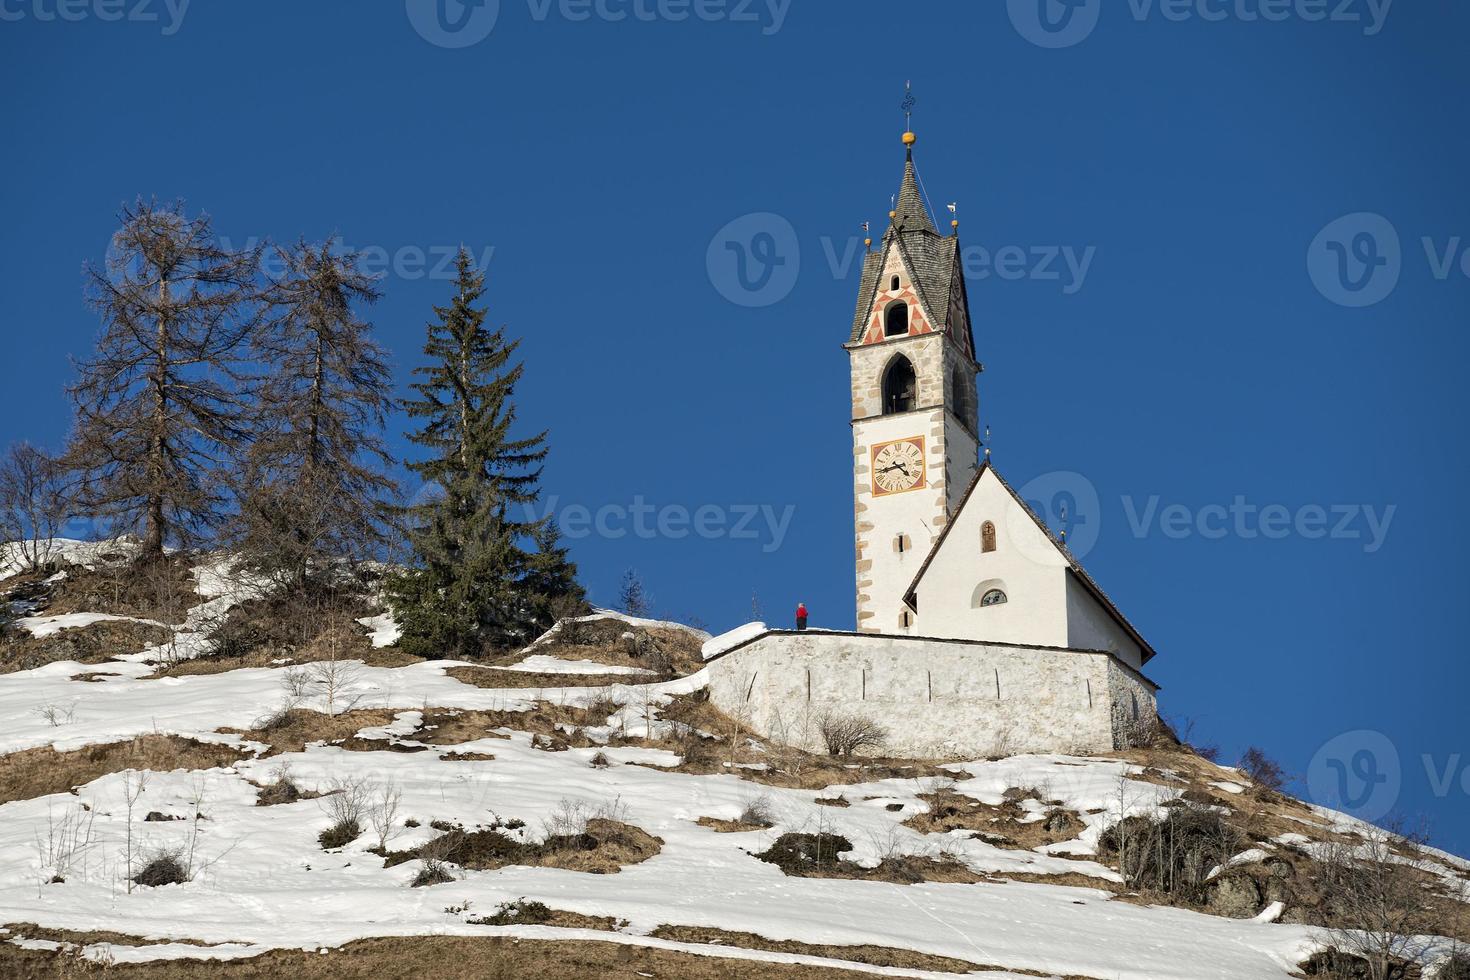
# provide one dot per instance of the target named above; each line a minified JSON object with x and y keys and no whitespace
{"x":903,"y":544}
{"x":904,"y":620}
{"x":895,"y":286}
{"x":987,"y":537}
{"x":900,"y":387}
{"x":896,"y":320}
{"x":995,"y":597}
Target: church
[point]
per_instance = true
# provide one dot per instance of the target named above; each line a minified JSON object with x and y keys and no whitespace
{"x":978,"y":633}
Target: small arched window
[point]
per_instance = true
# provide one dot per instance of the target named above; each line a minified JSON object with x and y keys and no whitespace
{"x":987,"y":537}
{"x":895,"y":284}
{"x":995,"y":597}
{"x":902,"y":544}
{"x":896,"y":320}
{"x":900,"y":387}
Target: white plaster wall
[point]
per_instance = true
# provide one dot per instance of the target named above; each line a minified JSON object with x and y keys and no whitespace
{"x":1025,"y":564}
{"x":1091,"y":627}
{"x":883,"y":574}
{"x":937,"y":699}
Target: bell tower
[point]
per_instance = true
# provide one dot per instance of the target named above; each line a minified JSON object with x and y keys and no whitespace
{"x":915,"y":430}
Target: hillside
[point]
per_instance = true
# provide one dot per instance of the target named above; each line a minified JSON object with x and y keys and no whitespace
{"x":191,"y":772}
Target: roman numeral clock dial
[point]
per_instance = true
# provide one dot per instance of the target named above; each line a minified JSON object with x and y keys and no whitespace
{"x":898,"y":466}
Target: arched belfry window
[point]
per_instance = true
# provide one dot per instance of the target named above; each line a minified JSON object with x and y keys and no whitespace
{"x":987,"y":537}
{"x":896,"y":320}
{"x":900,"y":387}
{"x":995,"y":597}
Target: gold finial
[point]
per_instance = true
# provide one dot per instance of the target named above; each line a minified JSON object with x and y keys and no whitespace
{"x":955,"y":224}
{"x":909,"y":139}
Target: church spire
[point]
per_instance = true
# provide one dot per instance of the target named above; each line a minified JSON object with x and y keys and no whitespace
{"x":910,"y":214}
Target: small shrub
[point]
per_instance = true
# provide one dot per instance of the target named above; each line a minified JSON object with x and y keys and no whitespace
{"x":1262,"y":769}
{"x":601,"y":761}
{"x":757,"y":813}
{"x":434,"y":872}
{"x":164,"y":868}
{"x":519,"y":912}
{"x":844,"y":734}
{"x":1456,"y":968}
{"x":801,"y":854}
{"x":1175,"y":855}
{"x":340,"y":834}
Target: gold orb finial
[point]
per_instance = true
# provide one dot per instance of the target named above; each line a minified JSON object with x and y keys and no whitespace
{"x":910,"y":138}
{"x":955,"y":224}
{"x":868,"y":242}
{"x":892,"y":215}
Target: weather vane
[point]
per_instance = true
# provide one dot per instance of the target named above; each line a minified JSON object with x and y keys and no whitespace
{"x":908,"y":105}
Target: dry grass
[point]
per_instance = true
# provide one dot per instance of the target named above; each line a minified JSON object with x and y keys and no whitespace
{"x":1008,"y":825}
{"x":604,"y":847}
{"x":521,"y":680}
{"x":302,"y":726}
{"x":38,"y":772}
{"x":552,"y":721}
{"x":669,"y":652}
{"x":266,"y":658}
{"x":92,"y":644}
{"x":162,"y":590}
{"x":820,"y":856}
{"x":884,"y":956}
{"x":730,"y":826}
{"x":444,"y":958}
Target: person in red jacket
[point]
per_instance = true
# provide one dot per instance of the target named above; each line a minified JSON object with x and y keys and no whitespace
{"x":801,"y":615}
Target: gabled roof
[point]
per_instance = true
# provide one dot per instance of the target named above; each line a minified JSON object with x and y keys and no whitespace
{"x":1073,"y":565}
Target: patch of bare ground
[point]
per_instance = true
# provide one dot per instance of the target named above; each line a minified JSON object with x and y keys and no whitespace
{"x":1008,"y":825}
{"x":443,"y":958}
{"x":290,"y":731}
{"x":92,"y":644}
{"x":523,"y":912}
{"x":712,"y":742}
{"x":551,"y":721}
{"x":161,"y":590}
{"x":602,"y":846}
{"x":32,"y":931}
{"x":666,"y":651}
{"x":730,"y":826}
{"x":884,"y":956}
{"x":820,"y":856}
{"x":37,"y":772}
{"x":521,"y":680}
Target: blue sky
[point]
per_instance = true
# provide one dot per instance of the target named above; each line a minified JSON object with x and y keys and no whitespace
{"x":1214,"y":169}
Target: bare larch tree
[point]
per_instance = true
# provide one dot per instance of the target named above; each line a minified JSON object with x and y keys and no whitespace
{"x":314,"y":483}
{"x":159,"y":407}
{"x":33,"y":505}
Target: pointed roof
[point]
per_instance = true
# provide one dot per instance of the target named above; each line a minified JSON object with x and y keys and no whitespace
{"x":931,"y":259}
{"x":911,"y":214}
{"x":1074,"y":566}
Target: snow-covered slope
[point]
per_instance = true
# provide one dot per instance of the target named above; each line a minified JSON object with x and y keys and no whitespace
{"x":263,"y":881}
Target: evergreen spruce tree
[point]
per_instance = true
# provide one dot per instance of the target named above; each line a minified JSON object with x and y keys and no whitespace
{"x":314,"y":484}
{"x":473,"y":583}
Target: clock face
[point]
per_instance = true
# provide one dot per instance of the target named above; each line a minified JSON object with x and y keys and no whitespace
{"x":898,"y":466}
